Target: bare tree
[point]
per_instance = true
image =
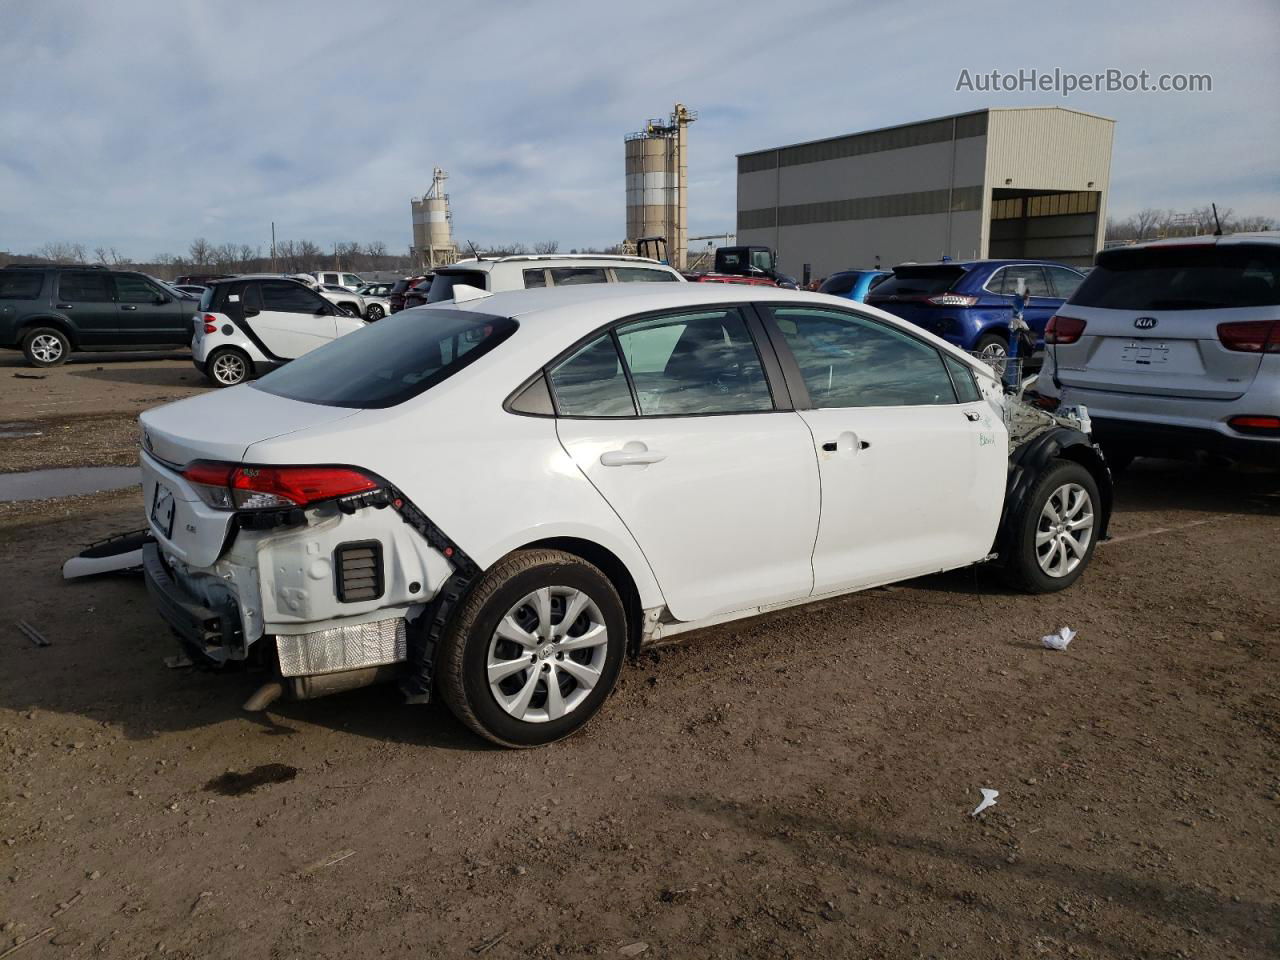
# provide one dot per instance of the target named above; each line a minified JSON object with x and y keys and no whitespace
{"x":1144,"y":222}
{"x":200,"y":252}
{"x":546,"y":246}
{"x":59,"y":251}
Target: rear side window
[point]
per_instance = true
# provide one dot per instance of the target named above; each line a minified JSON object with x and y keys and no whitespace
{"x":591,"y":382}
{"x":444,"y":282}
{"x":20,"y":284}
{"x":391,"y":361}
{"x":962,"y":379}
{"x":535,"y":278}
{"x":84,"y":287}
{"x":642,"y":275}
{"x":917,"y":282}
{"x":1190,"y":277}
{"x":1005,"y":281}
{"x":568,"y":276}
{"x":1065,"y":282}
{"x":850,"y":361}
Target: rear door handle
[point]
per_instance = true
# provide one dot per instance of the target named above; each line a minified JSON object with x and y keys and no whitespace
{"x":127,"y":306}
{"x":846,"y":441}
{"x":634,"y":452}
{"x":64,"y":306}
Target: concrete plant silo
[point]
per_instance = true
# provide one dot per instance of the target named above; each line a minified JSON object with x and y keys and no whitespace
{"x":433,"y":225}
{"x":657,"y":174}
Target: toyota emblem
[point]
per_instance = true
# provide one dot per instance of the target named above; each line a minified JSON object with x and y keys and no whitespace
{"x":1145,"y":323}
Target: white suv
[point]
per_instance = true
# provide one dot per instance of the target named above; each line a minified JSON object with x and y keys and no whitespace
{"x":499,"y":499}
{"x":335,"y":278}
{"x":550,"y":270}
{"x":1174,"y":347}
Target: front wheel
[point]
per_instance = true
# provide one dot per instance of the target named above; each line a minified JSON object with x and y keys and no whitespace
{"x":534,"y":650}
{"x":1055,"y":532}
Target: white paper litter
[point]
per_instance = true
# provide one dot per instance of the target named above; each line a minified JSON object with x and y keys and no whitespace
{"x":1059,"y":640}
{"x":988,"y":800}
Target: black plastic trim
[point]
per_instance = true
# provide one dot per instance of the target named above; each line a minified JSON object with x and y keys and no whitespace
{"x":340,"y":555}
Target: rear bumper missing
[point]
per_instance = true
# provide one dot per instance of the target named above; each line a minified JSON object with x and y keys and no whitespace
{"x":207,"y":635}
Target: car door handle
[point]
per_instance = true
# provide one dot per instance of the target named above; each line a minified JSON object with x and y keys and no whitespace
{"x":64,"y":306}
{"x":972,"y":416}
{"x":846,"y":441}
{"x":127,"y":306}
{"x":631,"y":453}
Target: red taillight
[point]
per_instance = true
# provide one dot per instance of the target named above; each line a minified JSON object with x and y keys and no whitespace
{"x":209,"y":322}
{"x":234,"y":487}
{"x":1251,"y":336}
{"x":1252,"y":423}
{"x":1063,"y":329}
{"x":951,"y":300}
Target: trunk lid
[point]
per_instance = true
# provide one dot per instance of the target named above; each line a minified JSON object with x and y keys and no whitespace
{"x":213,"y":426}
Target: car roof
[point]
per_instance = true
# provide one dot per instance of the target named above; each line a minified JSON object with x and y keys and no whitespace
{"x":1227,"y":239}
{"x":973,"y":264}
{"x":551,"y":260}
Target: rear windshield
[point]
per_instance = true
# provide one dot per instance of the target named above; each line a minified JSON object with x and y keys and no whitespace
{"x":444,"y":282}
{"x":399,"y":287}
{"x":20,"y":284}
{"x":390,"y":361}
{"x":917,"y":282}
{"x":839,"y":283}
{"x":1193,"y":277}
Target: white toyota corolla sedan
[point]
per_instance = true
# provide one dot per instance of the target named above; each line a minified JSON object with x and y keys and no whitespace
{"x":498,"y":499}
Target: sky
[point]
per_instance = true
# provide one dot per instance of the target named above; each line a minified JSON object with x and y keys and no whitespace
{"x":141,"y":125}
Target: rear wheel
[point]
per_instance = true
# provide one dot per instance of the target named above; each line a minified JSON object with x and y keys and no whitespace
{"x":1054,"y":535}
{"x":534,"y":650}
{"x":46,"y":347}
{"x":993,"y":349}
{"x":374,"y":313}
{"x":228,"y":366}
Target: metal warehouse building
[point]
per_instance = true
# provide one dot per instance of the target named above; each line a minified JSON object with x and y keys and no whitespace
{"x":1016,"y":182}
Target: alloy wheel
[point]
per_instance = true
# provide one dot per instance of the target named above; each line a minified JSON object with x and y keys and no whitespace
{"x":229,"y":369}
{"x":547,"y":654}
{"x":1064,"y":530}
{"x":46,"y":348}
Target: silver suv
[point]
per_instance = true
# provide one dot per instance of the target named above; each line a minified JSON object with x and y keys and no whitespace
{"x":1174,"y":346}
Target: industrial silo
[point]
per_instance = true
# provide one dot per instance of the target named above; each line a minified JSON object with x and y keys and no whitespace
{"x":432,"y":225}
{"x":656,"y":174}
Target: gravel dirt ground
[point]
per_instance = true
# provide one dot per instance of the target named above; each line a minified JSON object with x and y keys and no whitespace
{"x":791,"y":786}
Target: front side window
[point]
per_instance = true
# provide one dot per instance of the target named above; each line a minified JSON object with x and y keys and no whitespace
{"x":1064,"y":281}
{"x":286,"y":297}
{"x":699,"y":363}
{"x":851,"y":361}
{"x":350,"y":280}
{"x":84,"y":287}
{"x":20,"y":284}
{"x":568,"y":276}
{"x":133,"y":289}
{"x":388,"y":362}
{"x":642,"y":275}
{"x":591,"y":382}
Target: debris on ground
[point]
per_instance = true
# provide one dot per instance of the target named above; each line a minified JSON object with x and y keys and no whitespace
{"x":633,"y":949}
{"x":988,"y":800}
{"x":32,"y":634}
{"x":1059,"y":640}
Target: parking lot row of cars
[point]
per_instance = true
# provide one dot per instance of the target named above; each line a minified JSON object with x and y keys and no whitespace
{"x":1171,"y":345}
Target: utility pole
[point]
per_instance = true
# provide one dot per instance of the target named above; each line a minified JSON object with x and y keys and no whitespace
{"x":273,"y":246}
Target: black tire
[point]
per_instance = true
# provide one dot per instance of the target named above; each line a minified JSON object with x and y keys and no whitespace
{"x":462,"y":665}
{"x":223,"y":361}
{"x":1022,"y":569}
{"x":374,"y":313}
{"x":349,"y":309}
{"x":46,"y":347}
{"x":991,"y":340}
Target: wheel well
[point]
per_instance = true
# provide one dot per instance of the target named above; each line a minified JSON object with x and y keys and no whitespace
{"x":56,"y":323}
{"x":614,"y":569}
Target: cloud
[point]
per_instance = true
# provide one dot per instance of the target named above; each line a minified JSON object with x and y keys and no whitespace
{"x":141,"y":125}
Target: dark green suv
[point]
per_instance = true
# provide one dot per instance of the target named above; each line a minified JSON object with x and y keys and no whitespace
{"x":49,"y":310}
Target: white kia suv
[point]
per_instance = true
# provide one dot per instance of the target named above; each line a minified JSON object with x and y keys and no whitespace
{"x":546,"y":270}
{"x":248,"y":325}
{"x":1174,"y":347}
{"x":497,"y":500}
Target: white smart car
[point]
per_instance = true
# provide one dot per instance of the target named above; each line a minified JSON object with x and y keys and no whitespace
{"x":499,"y":499}
{"x":248,"y":325}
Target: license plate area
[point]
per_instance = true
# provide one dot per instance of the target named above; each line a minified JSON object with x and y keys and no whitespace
{"x":1139,"y":354}
{"x":162,"y":510}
